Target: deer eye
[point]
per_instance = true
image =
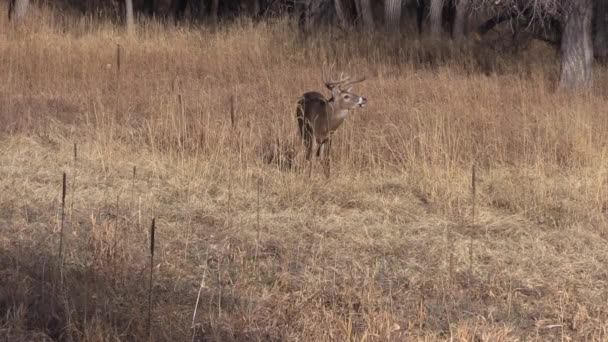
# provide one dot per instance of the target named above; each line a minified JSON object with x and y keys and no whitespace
{"x":346,"y":97}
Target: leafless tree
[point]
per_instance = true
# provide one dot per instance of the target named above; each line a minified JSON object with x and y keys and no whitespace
{"x":314,"y":12}
{"x":600,"y":40}
{"x":462,"y":13}
{"x":341,"y":13}
{"x":213,"y":13}
{"x":366,"y":12}
{"x":150,"y":7}
{"x":255,"y":7}
{"x":129,"y":18}
{"x":17,"y":9}
{"x":576,"y":43}
{"x":392,"y":15}
{"x":436,"y":14}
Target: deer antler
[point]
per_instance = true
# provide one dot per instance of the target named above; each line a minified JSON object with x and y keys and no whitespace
{"x":330,"y":84}
{"x":360,"y":79}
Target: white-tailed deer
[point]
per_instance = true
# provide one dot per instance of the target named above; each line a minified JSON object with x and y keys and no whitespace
{"x":319,"y":117}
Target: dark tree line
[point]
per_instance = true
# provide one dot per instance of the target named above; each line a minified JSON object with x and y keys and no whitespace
{"x":578,"y":28}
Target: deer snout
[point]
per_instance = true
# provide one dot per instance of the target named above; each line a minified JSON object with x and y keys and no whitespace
{"x":362,"y":102}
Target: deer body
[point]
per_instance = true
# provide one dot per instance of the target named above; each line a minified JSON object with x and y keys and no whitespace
{"x":323,"y":115}
{"x":319,"y":117}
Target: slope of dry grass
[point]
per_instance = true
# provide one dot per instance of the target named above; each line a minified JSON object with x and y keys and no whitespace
{"x":385,"y":250}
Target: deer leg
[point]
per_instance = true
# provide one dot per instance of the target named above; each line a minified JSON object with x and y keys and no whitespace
{"x":326,"y":146}
{"x":320,"y":149}
{"x":308,"y":142}
{"x":307,"y":135}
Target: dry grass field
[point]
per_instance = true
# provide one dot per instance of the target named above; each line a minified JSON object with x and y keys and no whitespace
{"x":249,"y":248}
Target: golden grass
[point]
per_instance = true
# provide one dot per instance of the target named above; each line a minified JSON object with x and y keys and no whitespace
{"x":379,"y":252}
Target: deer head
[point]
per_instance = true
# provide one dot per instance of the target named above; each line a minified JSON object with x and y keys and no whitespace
{"x":341,"y":91}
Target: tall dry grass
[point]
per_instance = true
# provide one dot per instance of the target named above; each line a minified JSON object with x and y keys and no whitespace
{"x":382,"y":251}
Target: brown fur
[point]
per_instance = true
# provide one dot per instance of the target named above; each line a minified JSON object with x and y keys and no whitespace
{"x":319,"y":117}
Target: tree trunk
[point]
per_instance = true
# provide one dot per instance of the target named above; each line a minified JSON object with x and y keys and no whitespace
{"x":577,"y":46}
{"x":436,"y":16}
{"x":462,"y":14}
{"x":343,"y":22}
{"x":120,"y":14}
{"x":178,"y":7}
{"x":196,"y":9}
{"x":600,"y":41}
{"x":392,"y":15}
{"x":129,"y":19}
{"x":311,"y":14}
{"x":367,"y":13}
{"x":255,"y":8}
{"x":150,"y":7}
{"x":17,"y":9}
{"x":357,"y":10}
{"x":420,"y":9}
{"x":215,"y":5}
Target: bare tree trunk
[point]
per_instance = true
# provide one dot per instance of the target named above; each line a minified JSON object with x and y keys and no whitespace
{"x":129,"y":19}
{"x":178,"y":7}
{"x":17,"y":9}
{"x":150,"y":7}
{"x":215,"y":5}
{"x":250,"y":7}
{"x":577,"y":46}
{"x":420,"y":9}
{"x":436,"y":17}
{"x":121,"y":11}
{"x":367,"y":13}
{"x":311,"y":13}
{"x":341,"y":13}
{"x":600,"y":41}
{"x":392,"y":15}
{"x":462,"y":14}
{"x":357,"y":10}
{"x":255,"y":8}
{"x":196,"y":9}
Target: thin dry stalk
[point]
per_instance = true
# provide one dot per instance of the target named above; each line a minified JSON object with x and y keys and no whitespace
{"x":116,"y":227}
{"x":133,"y":184}
{"x":473,"y":199}
{"x":510,"y":295}
{"x":138,"y":213}
{"x":152,"y":232}
{"x":63,"y":190}
{"x":74,"y":174}
{"x":68,"y":314}
{"x":310,"y":168}
{"x":473,"y":193}
{"x":180,"y":131}
{"x":219,"y":283}
{"x":230,"y":209}
{"x":450,"y":249}
{"x":198,"y":298}
{"x":421,"y":313}
{"x":118,"y":60}
{"x":257,"y":241}
{"x":232,"y":112}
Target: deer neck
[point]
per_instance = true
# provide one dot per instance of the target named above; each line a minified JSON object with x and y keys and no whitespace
{"x":336,"y":114}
